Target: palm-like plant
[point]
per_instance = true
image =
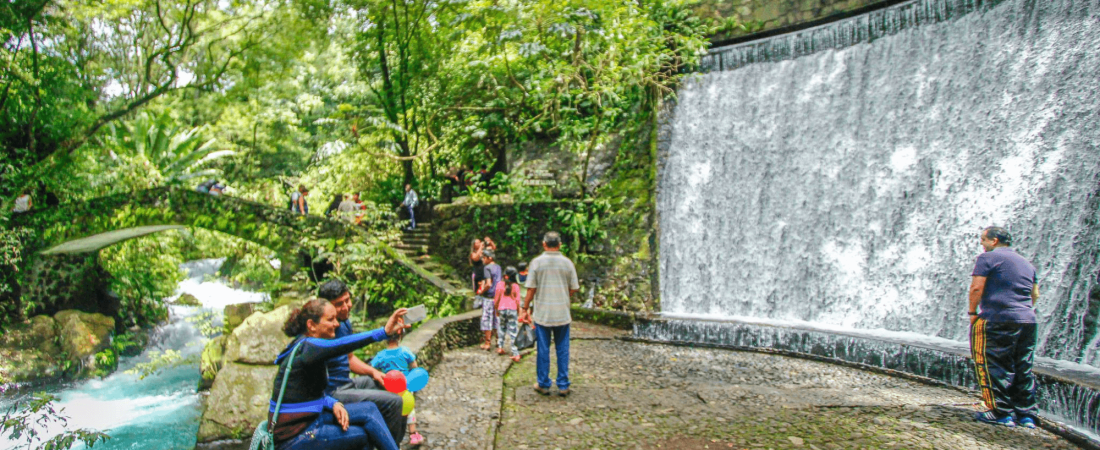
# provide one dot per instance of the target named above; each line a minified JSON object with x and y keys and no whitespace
{"x":168,"y":154}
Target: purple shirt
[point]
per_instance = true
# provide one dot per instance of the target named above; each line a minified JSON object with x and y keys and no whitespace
{"x":1008,"y":284}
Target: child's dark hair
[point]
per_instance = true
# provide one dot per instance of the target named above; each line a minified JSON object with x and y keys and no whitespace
{"x":312,"y":310}
{"x":510,"y":283}
{"x":396,"y":337}
{"x":522,"y":266}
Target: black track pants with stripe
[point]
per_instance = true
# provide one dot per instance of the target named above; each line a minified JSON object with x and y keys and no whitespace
{"x":1004,"y":354}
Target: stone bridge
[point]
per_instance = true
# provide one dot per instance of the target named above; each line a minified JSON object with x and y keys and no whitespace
{"x":62,"y":265}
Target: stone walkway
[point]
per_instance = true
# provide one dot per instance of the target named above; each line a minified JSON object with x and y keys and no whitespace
{"x":644,"y":396}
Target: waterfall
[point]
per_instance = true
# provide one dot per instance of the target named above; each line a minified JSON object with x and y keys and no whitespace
{"x":841,"y":175}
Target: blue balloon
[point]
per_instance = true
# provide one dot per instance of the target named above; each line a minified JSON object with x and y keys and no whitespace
{"x":416,"y":379}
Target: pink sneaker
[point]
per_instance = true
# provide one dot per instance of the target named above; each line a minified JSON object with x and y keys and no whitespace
{"x":416,"y":439}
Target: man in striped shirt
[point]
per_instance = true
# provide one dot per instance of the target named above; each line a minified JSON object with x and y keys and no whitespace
{"x":551,"y":280}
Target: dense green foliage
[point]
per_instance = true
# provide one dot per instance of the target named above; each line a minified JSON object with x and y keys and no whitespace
{"x":113,"y":96}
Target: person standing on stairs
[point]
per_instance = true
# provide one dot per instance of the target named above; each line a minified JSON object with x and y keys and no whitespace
{"x":409,"y":203}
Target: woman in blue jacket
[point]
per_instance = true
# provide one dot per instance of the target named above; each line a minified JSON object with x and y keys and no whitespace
{"x":308,"y":419}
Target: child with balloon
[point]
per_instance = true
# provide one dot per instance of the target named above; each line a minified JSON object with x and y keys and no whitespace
{"x":402,"y":377}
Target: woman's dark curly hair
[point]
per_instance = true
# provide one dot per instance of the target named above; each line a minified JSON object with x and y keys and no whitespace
{"x":312,"y":310}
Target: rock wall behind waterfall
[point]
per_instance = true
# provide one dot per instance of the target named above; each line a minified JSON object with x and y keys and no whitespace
{"x":848,"y":186}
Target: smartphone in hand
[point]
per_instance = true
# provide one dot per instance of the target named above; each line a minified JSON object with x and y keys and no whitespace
{"x":416,"y":314}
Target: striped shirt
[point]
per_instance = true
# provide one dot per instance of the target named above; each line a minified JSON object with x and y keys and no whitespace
{"x":553,"y":276}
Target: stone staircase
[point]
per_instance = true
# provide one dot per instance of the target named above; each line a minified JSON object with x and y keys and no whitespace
{"x":415,"y":245}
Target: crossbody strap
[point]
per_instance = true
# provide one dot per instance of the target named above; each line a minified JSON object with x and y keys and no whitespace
{"x":282,"y":389}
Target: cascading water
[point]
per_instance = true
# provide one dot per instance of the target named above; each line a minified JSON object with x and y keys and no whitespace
{"x":841,"y":175}
{"x":160,"y":412}
{"x":822,"y":191}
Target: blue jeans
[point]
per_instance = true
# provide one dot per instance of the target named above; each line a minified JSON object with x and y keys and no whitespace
{"x":412,"y":217}
{"x":542,"y":362}
{"x":366,"y":430}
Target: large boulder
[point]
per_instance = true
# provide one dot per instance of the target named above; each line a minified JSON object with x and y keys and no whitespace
{"x":238,"y":402}
{"x":29,"y":351}
{"x":83,"y":334}
{"x":259,"y":339}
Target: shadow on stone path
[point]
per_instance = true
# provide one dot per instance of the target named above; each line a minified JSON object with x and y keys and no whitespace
{"x":633,"y":395}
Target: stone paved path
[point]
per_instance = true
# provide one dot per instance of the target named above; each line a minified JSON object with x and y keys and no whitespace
{"x":644,"y":396}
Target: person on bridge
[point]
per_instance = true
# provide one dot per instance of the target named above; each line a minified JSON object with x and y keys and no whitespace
{"x":298,"y":200}
{"x":409,"y":203}
{"x":334,"y":204}
{"x":1003,"y":334}
{"x":309,"y":419}
{"x":205,"y":186}
{"x":368,"y":386}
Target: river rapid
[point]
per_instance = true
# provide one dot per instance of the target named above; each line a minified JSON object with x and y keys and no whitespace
{"x":161,"y":411}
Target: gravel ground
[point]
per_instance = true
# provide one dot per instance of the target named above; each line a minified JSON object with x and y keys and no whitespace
{"x":644,"y":396}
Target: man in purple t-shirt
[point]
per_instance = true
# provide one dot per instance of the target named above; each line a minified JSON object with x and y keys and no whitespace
{"x":1003,"y":334}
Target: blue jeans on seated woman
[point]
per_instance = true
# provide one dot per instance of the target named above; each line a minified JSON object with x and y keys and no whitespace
{"x":366,"y":430}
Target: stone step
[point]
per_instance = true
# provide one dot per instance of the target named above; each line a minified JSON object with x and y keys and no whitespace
{"x":408,"y":241}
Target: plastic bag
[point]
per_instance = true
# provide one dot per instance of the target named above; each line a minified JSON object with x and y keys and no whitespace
{"x":525,"y":338}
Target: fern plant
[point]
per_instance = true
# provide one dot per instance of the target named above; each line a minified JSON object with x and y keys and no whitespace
{"x":165,"y":153}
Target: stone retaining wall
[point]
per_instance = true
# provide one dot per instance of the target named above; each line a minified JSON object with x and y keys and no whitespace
{"x":762,"y":16}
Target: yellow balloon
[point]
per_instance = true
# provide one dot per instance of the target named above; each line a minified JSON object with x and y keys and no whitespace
{"x":409,"y":402}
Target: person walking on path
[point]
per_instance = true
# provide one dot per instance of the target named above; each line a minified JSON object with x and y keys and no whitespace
{"x":551,"y":280}
{"x":1004,"y":334}
{"x":487,"y":291}
{"x":368,"y":386}
{"x":506,"y":303}
{"x":409,"y":203}
{"x":307,"y":418}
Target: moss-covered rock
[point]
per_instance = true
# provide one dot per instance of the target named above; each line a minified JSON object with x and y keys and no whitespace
{"x":186,"y":299}
{"x":259,"y":339}
{"x":82,"y":335}
{"x":213,"y":356}
{"x":29,"y":351}
{"x":235,"y":314}
{"x":237,"y":403}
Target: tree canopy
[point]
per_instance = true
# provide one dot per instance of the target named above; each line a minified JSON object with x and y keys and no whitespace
{"x":106,"y":96}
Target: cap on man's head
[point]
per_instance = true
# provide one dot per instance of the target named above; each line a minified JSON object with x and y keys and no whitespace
{"x":488,"y":252}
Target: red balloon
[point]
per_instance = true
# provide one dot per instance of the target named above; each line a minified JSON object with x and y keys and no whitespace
{"x":394,"y":381}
